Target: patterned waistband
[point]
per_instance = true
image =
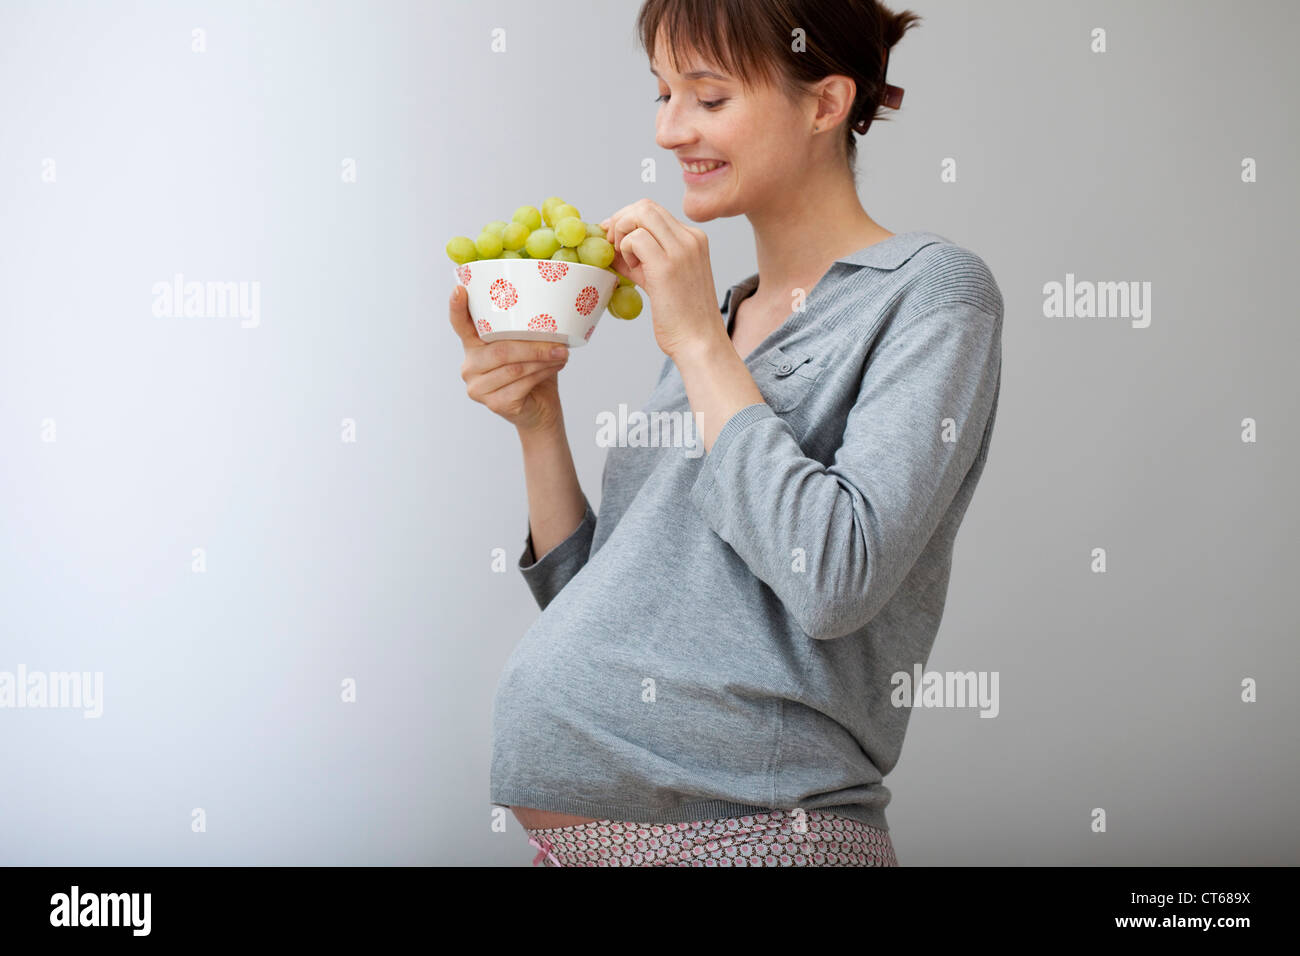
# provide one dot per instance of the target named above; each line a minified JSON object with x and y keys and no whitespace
{"x":776,"y":838}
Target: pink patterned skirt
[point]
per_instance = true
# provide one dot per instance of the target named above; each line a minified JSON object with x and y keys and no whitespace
{"x":775,"y":838}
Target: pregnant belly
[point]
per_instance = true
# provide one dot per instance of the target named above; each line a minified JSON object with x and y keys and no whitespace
{"x":531,"y":819}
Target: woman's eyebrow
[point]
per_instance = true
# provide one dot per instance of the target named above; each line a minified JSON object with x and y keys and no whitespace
{"x":697,"y":75}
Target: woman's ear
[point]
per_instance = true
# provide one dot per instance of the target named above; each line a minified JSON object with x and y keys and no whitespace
{"x":835,"y":98}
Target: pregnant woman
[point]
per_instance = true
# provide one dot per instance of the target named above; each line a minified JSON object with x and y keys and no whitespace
{"x":712,"y":679}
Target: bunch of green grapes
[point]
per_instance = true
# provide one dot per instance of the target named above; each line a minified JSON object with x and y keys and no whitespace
{"x":565,"y":236}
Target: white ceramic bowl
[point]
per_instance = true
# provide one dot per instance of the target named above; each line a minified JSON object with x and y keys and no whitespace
{"x":543,"y":300}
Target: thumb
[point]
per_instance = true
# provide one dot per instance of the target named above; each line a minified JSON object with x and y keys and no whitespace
{"x":461,"y":320}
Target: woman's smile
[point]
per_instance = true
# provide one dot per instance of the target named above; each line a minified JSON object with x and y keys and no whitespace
{"x":699,"y":172}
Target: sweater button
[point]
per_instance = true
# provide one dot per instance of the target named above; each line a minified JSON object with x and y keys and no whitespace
{"x":786,"y":368}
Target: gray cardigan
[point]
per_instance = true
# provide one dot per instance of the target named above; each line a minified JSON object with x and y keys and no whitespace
{"x":721,"y":639}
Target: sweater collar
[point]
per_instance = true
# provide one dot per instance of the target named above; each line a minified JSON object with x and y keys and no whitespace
{"x":885,"y":255}
{"x":892,"y":252}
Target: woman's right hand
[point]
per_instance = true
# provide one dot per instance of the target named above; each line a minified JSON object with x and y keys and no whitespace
{"x":514,"y":378}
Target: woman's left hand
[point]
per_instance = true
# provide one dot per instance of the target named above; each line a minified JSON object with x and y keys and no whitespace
{"x":670,"y":261}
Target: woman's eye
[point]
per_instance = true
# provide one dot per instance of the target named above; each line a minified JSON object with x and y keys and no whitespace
{"x":707,"y":104}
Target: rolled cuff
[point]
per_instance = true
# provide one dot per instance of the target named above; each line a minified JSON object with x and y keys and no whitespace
{"x":547,"y":577}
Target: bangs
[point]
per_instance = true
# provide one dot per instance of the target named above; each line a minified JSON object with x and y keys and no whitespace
{"x":726,"y":35}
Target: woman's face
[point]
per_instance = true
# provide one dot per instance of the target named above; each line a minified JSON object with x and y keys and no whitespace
{"x":760,"y":137}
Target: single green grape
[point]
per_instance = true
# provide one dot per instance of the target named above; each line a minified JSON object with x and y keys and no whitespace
{"x":512,"y":254}
{"x":514,"y":236}
{"x":488,"y":245}
{"x":548,"y":209}
{"x":570,"y":231}
{"x":564,"y":210}
{"x":594,"y":229}
{"x":566,"y":254}
{"x":541,"y":243}
{"x":497,"y":226}
{"x":625,"y":303}
{"x":529,"y":216}
{"x":461,"y":250}
{"x":596,"y":251}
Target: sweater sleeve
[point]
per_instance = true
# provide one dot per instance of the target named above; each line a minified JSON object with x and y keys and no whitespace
{"x":548,"y":576}
{"x":861,"y":523}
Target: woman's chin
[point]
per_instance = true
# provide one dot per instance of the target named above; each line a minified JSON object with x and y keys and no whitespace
{"x":701,"y":208}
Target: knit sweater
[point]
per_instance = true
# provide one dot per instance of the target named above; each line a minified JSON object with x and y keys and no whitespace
{"x":722,"y":638}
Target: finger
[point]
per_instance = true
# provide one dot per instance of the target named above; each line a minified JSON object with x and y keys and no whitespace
{"x":653,"y":218}
{"x":613,"y":217}
{"x":497,"y":378}
{"x":641,"y":247}
{"x":461,"y":320}
{"x":507,"y":351}
{"x":624,"y":221}
{"x":622,"y":268}
{"x":668,"y":232}
{"x":512,"y":395}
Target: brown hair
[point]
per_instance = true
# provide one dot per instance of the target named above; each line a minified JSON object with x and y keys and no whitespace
{"x":753,"y":39}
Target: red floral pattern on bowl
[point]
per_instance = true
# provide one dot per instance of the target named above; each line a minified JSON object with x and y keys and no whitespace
{"x":586,"y":300}
{"x":503,"y":294}
{"x":551,"y":270}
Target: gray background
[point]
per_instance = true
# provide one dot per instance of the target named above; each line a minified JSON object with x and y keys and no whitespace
{"x":372,"y":560}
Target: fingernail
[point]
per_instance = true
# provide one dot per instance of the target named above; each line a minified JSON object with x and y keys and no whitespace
{"x":559,"y":352}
